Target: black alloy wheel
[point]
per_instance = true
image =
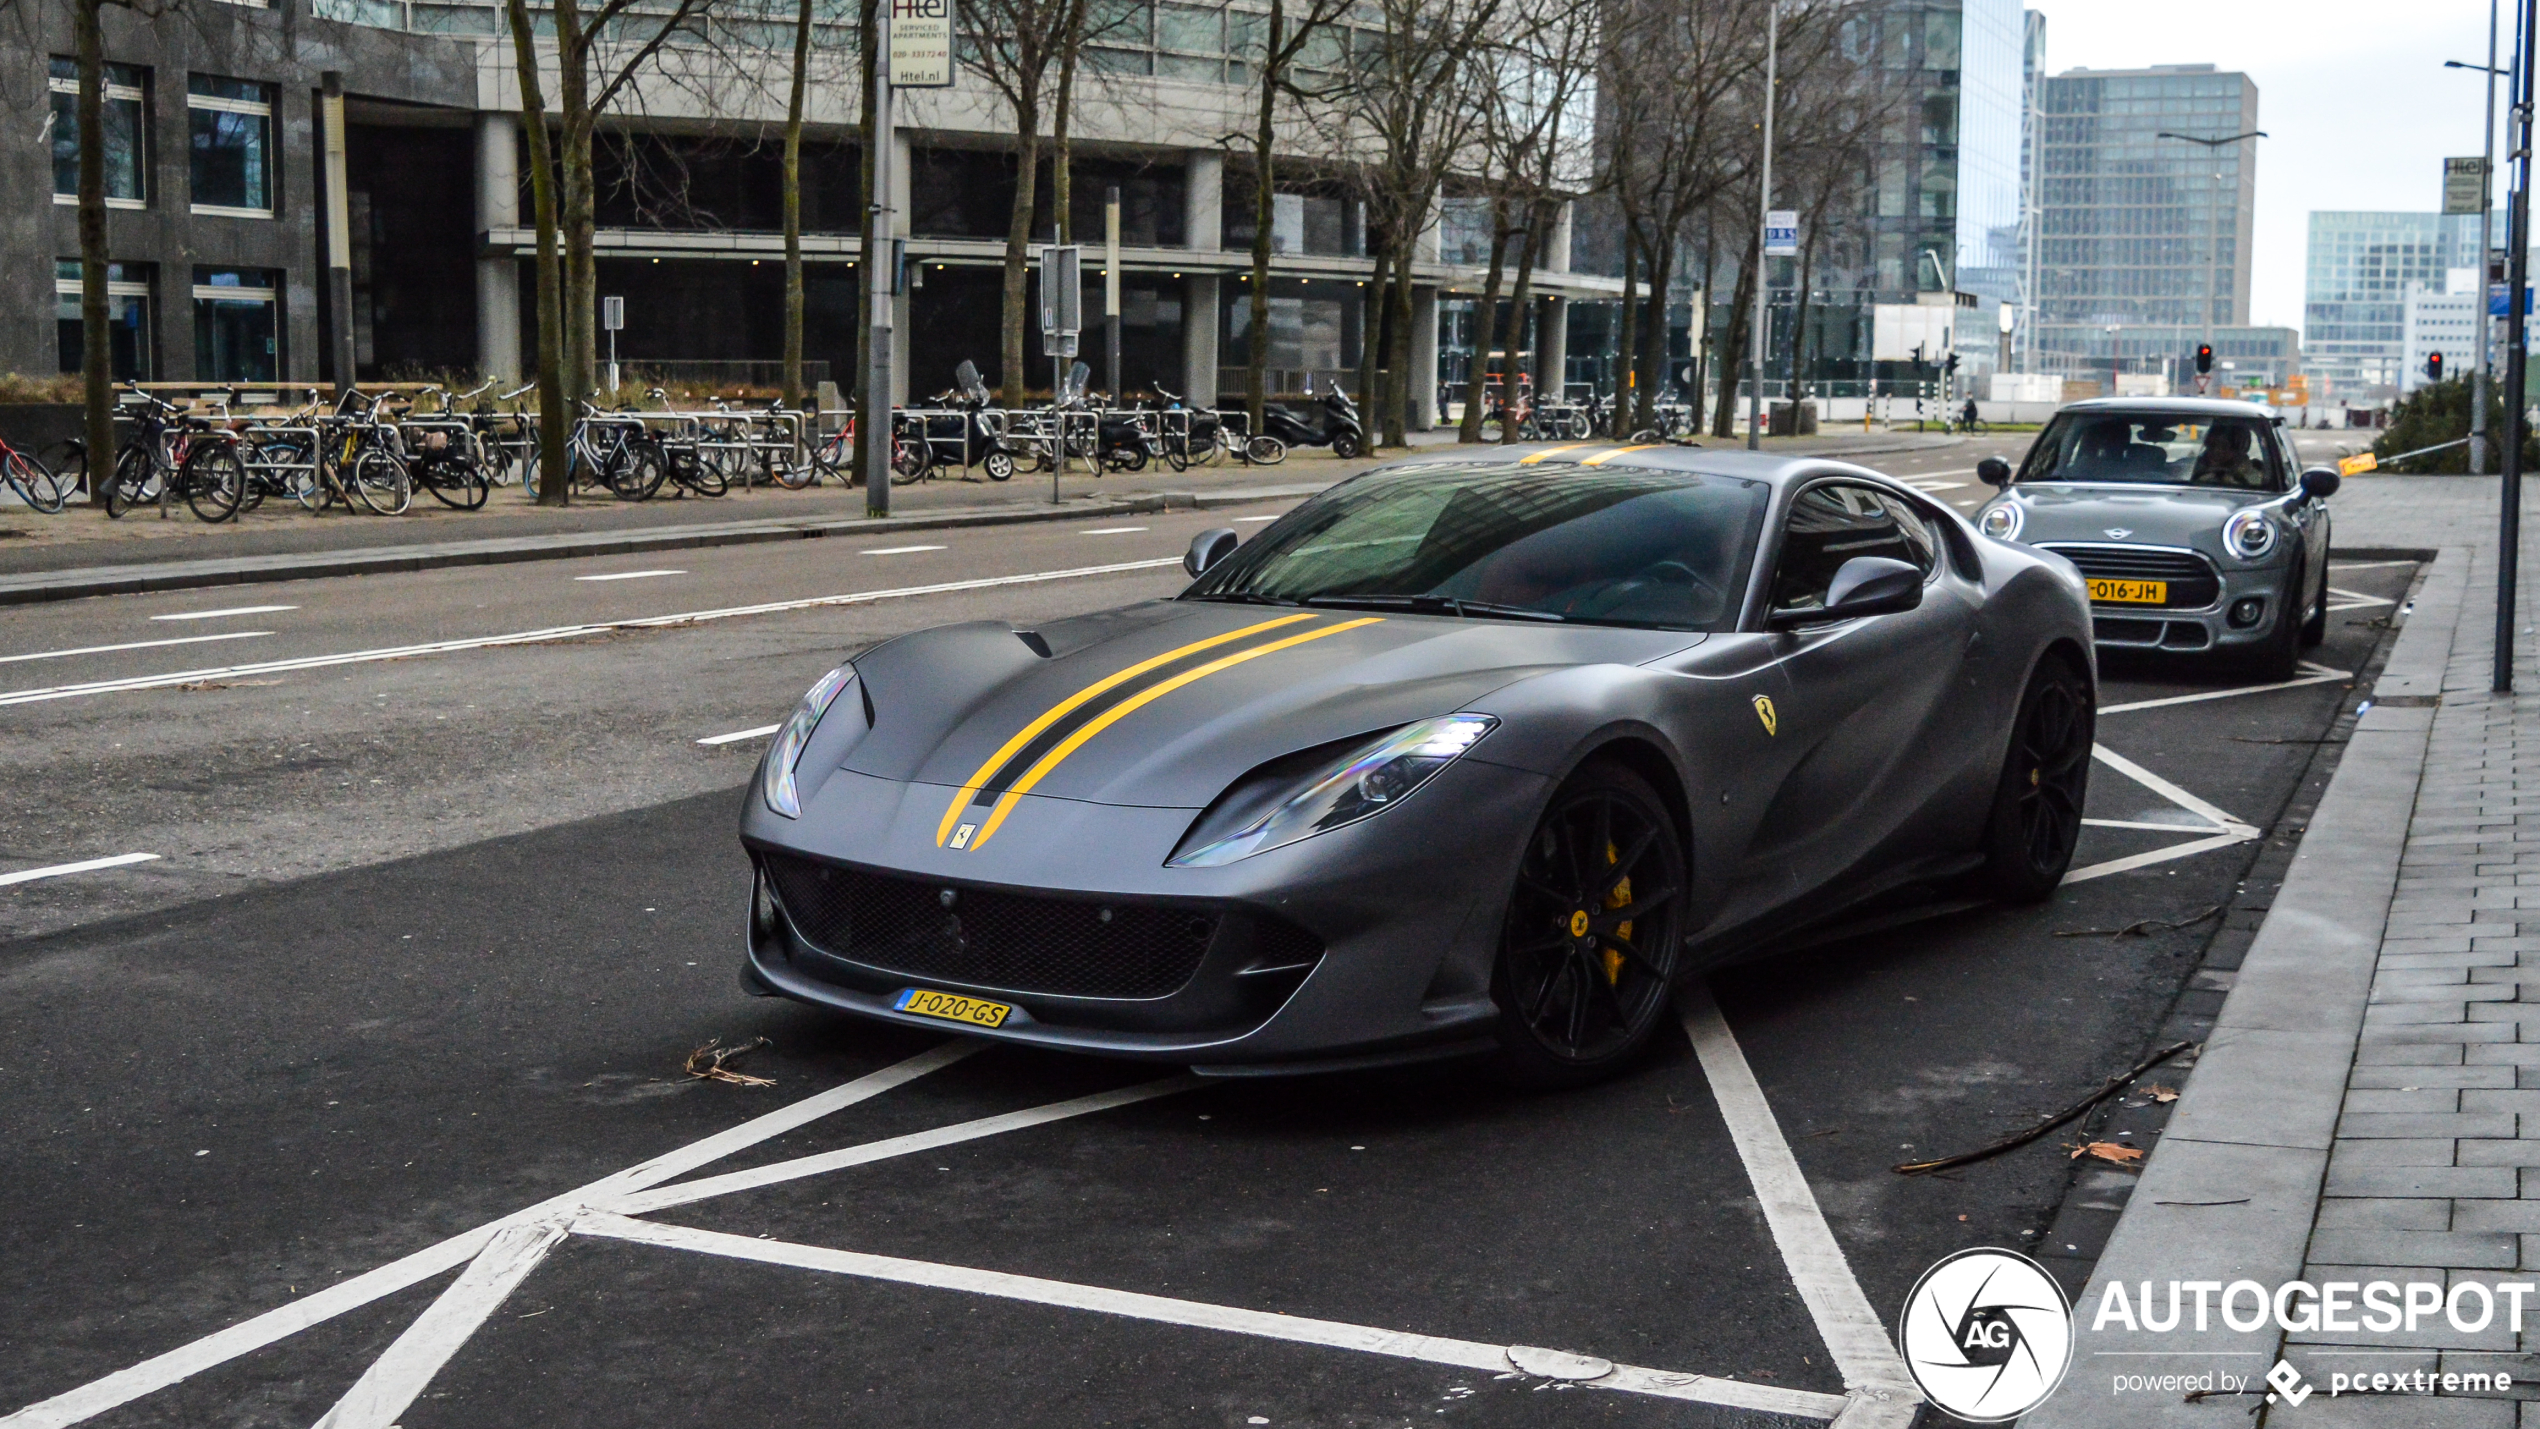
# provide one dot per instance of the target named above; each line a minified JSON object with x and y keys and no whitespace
{"x":1588,"y":949}
{"x":2036,"y":819}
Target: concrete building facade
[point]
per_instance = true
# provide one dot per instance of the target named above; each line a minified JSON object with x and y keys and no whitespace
{"x":2356,"y":279}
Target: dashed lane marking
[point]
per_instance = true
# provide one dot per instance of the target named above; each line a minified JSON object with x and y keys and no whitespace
{"x":86,"y":865}
{"x":571,"y":632}
{"x":219,"y":614}
{"x":134,"y":645}
{"x":736,"y":736}
{"x":629,"y":575}
{"x":1111,"y":530}
{"x":897,"y":550}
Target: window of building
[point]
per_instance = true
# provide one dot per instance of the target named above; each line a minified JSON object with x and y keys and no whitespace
{"x":231,"y":123}
{"x":128,"y":338}
{"x":237,"y":327}
{"x":127,"y":133}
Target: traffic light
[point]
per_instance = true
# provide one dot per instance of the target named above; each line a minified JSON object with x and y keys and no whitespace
{"x":2434,"y":367}
{"x":1952,"y":364}
{"x":2204,"y":358}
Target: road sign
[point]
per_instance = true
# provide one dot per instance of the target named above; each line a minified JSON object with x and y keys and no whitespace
{"x":1062,"y":289}
{"x":612,"y":314}
{"x":2465,"y":185}
{"x":922,"y":44}
{"x":1781,"y":233}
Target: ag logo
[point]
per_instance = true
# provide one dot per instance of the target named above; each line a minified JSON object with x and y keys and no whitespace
{"x":1988,"y":1335}
{"x":1764,"y":711}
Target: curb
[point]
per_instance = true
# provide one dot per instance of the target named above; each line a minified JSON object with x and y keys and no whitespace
{"x":505,"y":550}
{"x":2245,"y":1156}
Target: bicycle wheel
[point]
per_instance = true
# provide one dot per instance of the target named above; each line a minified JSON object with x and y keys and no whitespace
{"x":706,"y":481}
{"x":794,"y":476}
{"x":909,"y":461}
{"x":35,"y":483}
{"x":135,"y":482}
{"x":473,"y":483}
{"x":1265,"y":451}
{"x":383,"y":483}
{"x":635,"y":472}
{"x":215,"y":481}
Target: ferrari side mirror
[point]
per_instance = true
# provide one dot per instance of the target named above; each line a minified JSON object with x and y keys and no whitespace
{"x":1207,"y":549}
{"x":1994,"y":471}
{"x":1864,"y":585}
{"x":2321,"y":482}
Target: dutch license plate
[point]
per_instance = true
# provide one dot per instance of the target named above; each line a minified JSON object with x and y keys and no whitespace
{"x":2131,"y":592}
{"x":951,"y":1007}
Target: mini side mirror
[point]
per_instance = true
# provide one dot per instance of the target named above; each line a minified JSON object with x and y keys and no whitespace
{"x":1865,"y":585}
{"x":1207,"y":549}
{"x":2321,"y":482}
{"x":1994,"y":471}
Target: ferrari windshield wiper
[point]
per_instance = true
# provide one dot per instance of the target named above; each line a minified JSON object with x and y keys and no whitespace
{"x":1436,"y":605}
{"x":1241,"y":597}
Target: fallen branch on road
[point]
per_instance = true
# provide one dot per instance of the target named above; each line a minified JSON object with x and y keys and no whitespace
{"x":2113,"y":1086}
{"x":2141,"y":927}
{"x":707,"y":1063}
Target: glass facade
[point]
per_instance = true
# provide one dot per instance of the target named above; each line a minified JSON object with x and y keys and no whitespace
{"x":127,"y":148}
{"x":128,"y":336}
{"x":231,"y":138}
{"x":236,"y":329}
{"x":2136,"y":228}
{"x":1991,"y":43}
{"x":2355,"y":282}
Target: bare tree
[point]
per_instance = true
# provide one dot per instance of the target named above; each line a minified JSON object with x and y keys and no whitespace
{"x":1284,"y":39}
{"x":553,"y":420}
{"x":793,"y":205}
{"x":1012,"y":45}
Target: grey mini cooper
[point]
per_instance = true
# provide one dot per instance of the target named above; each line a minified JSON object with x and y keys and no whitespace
{"x":2189,"y":519}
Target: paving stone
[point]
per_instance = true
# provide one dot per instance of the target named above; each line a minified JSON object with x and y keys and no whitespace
{"x":2401,"y":1213}
{"x":2496,"y":1153}
{"x":2421,"y":1099}
{"x":2492,"y":1181}
{"x":2404,"y":1077}
{"x":2409,"y":1151}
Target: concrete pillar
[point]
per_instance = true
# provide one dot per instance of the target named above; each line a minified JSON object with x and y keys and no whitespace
{"x":1556,"y":249}
{"x":1554,"y":346}
{"x":498,"y":333}
{"x":1424,"y":359}
{"x":1204,"y":201}
{"x":1199,"y":339}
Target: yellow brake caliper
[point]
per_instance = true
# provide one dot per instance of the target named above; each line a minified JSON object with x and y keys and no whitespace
{"x":1621,"y":897}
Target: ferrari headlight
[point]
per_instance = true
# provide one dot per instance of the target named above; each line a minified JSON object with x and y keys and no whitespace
{"x":2001,"y":521}
{"x":2249,"y":535}
{"x":776,"y":776}
{"x":1368,"y":780}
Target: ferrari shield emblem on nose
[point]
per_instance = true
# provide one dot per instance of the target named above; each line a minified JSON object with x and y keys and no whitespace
{"x":2119,"y":533}
{"x":1764,"y":711}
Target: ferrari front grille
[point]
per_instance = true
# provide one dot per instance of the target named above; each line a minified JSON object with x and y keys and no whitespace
{"x":987,"y":938}
{"x":2192,"y":581}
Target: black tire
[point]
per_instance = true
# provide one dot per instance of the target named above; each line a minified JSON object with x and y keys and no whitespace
{"x":1346,"y":447}
{"x":2035,"y":822}
{"x":36,"y":484}
{"x":998,"y":465}
{"x":1265,"y":451}
{"x":1129,"y":459}
{"x":382,"y":483}
{"x":2279,"y":657}
{"x":215,"y":481}
{"x":1581,"y":988}
{"x":2315,"y":628}
{"x":131,"y":484}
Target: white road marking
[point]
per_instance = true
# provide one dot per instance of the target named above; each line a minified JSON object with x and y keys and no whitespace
{"x":2352,"y":599}
{"x":1111,"y":530}
{"x":2319,"y":673}
{"x":1872,"y":1370}
{"x":29,"y":875}
{"x":2144,"y":824}
{"x":2357,"y":566}
{"x":569,"y":632}
{"x":898,"y":550}
{"x":1249,"y":520}
{"x":1935,"y":485}
{"x":134,"y":645}
{"x":687,"y":1191}
{"x":2158,"y":855}
{"x":1294,"y":1329}
{"x":389,"y":1387}
{"x":630,"y":575}
{"x":218,"y":614}
{"x":2222,"y":832}
{"x":250,"y":1335}
{"x":736,"y":736}
{"x":2170,"y":791}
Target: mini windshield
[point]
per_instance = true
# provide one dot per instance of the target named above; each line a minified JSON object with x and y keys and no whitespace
{"x":1665,"y":550}
{"x":2153,"y":451}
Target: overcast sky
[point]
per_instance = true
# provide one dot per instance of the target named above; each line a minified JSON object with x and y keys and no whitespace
{"x":2352,"y":93}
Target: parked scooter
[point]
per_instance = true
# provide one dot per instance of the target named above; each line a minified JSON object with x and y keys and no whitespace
{"x":1341,"y":429}
{"x":974,"y":437}
{"x":1121,"y":441}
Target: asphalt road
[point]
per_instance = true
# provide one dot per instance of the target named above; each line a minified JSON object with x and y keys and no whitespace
{"x":429,"y":939}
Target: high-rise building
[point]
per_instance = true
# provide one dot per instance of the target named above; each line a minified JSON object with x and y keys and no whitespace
{"x":2139,"y":229}
{"x":2355,"y":284}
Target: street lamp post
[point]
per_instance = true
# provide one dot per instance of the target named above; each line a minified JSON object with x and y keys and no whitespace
{"x":2517,"y":274}
{"x":2213,"y":251}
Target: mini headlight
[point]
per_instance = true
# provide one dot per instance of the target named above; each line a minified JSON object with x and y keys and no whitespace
{"x":2249,"y":535}
{"x":1368,"y":780}
{"x":2001,"y":521}
{"x":776,"y":776}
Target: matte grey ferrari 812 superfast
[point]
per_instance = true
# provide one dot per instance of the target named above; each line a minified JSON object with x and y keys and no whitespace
{"x":1466,"y":754}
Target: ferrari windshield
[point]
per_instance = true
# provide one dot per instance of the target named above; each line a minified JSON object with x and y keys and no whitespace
{"x":2153,"y":450}
{"x":1666,"y":550}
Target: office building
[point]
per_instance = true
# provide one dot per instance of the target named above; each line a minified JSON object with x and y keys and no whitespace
{"x":2356,"y":280}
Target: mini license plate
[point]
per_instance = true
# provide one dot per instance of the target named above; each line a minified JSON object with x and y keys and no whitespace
{"x":2131,"y":592}
{"x":951,"y":1007}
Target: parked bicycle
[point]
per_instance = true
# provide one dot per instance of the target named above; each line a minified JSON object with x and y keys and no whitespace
{"x":32,"y":481}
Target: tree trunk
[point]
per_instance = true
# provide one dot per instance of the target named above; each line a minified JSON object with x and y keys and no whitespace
{"x":1398,"y":357}
{"x":1799,"y":320}
{"x":1372,"y":381}
{"x":1520,"y":302}
{"x":872,"y":408}
{"x":1018,"y":244}
{"x":1485,"y":326}
{"x":96,"y":373}
{"x":580,"y":280}
{"x":1653,"y":333}
{"x":794,"y":208}
{"x":1627,"y":350}
{"x":1264,"y":203}
{"x":1733,"y":343}
{"x":554,"y":421}
{"x":1062,"y":180}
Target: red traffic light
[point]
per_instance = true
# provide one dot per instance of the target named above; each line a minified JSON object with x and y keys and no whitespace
{"x":2204,"y":357}
{"x":2434,"y":366}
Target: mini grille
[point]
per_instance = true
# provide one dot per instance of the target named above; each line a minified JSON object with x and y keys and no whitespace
{"x":2191,"y":577}
{"x":984,"y":938}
